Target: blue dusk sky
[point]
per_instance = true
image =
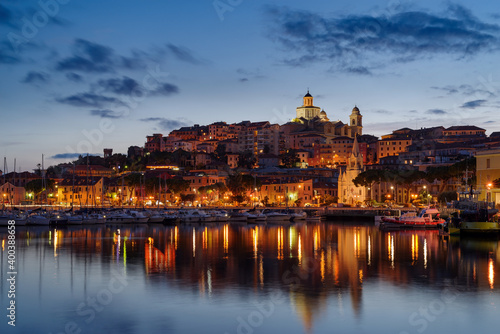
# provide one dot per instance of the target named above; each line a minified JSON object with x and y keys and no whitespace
{"x":80,"y":76}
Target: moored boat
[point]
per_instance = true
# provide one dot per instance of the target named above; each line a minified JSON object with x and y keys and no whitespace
{"x":427,"y":218}
{"x":276,"y":217}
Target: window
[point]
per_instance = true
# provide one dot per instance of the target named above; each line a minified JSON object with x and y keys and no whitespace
{"x":488,"y":163}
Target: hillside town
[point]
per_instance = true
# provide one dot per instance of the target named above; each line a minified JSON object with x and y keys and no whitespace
{"x":308,"y":161}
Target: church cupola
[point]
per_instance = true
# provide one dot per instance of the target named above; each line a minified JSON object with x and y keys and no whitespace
{"x":308,"y":100}
{"x":308,"y":110}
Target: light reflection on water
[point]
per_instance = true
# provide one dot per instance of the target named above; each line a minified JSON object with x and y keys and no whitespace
{"x":225,"y":278}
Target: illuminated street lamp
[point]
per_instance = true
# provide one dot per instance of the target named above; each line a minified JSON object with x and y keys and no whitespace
{"x":488,"y":193}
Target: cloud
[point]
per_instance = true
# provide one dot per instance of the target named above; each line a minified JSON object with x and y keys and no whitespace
{"x":489,"y":122}
{"x":6,"y":16}
{"x":400,"y":35}
{"x":34,"y":77}
{"x":121,"y":86}
{"x":165,"y":123}
{"x":129,"y":86}
{"x":90,"y":100}
{"x":249,"y":74}
{"x":436,"y":112}
{"x":91,"y":57}
{"x":361,"y":70}
{"x":473,"y":104}
{"x":88,"y":57}
{"x":67,"y":155}
{"x":484,"y":89}
{"x":106,"y":113}
{"x":165,"y":89}
{"x":6,"y":54}
{"x":183,"y":54}
{"x":74,"y":77}
{"x":386,"y":112}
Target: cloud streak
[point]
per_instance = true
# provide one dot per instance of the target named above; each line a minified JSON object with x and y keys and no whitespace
{"x":362,"y":40}
{"x":473,"y":104}
{"x":34,"y":77}
{"x":166,"y":123}
{"x":90,"y":100}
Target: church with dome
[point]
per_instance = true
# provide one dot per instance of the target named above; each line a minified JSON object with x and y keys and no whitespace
{"x":312,"y":120}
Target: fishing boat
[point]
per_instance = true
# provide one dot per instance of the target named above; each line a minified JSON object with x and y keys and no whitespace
{"x":427,"y":218}
{"x":481,"y":221}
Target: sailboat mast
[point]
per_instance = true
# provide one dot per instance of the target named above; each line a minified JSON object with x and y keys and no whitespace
{"x":73,"y":188}
{"x":87,"y":183}
{"x":14,"y":183}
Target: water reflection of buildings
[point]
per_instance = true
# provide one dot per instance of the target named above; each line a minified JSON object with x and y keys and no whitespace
{"x":314,"y":264}
{"x":311,"y":262}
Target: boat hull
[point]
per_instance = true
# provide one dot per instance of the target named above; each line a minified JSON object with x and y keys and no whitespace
{"x":479,"y":227}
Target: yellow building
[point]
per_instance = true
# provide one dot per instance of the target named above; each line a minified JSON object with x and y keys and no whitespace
{"x":487,"y":171}
{"x":288,"y":193}
{"x":80,"y":192}
{"x":391,"y":146}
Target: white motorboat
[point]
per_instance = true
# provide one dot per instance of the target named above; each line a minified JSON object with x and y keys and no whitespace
{"x":99,"y":218}
{"x":38,"y":219}
{"x":238,"y":216}
{"x":194,"y":216}
{"x":119,"y":217}
{"x":139,"y":217}
{"x":276,"y":217}
{"x":298,"y":215}
{"x":75,"y":219}
{"x":170,"y":217}
{"x":58,"y":218}
{"x":255,"y":216}
{"x":19,"y":218}
{"x":219,"y":215}
{"x":155,"y":217}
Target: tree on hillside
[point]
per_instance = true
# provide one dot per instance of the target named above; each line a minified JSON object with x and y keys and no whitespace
{"x":445,"y":173}
{"x":246,"y":160}
{"x":239,"y":183}
{"x":290,"y":158}
{"x":37,"y":188}
{"x":220,"y":153}
{"x":178,"y":185}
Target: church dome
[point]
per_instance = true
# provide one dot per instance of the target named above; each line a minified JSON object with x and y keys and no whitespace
{"x":308,"y":95}
{"x":355,"y":110}
{"x":323,"y":116}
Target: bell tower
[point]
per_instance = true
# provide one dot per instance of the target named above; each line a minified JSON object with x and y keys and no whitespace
{"x":355,"y":122}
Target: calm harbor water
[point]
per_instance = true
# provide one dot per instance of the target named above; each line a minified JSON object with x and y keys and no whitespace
{"x":229,"y":278}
